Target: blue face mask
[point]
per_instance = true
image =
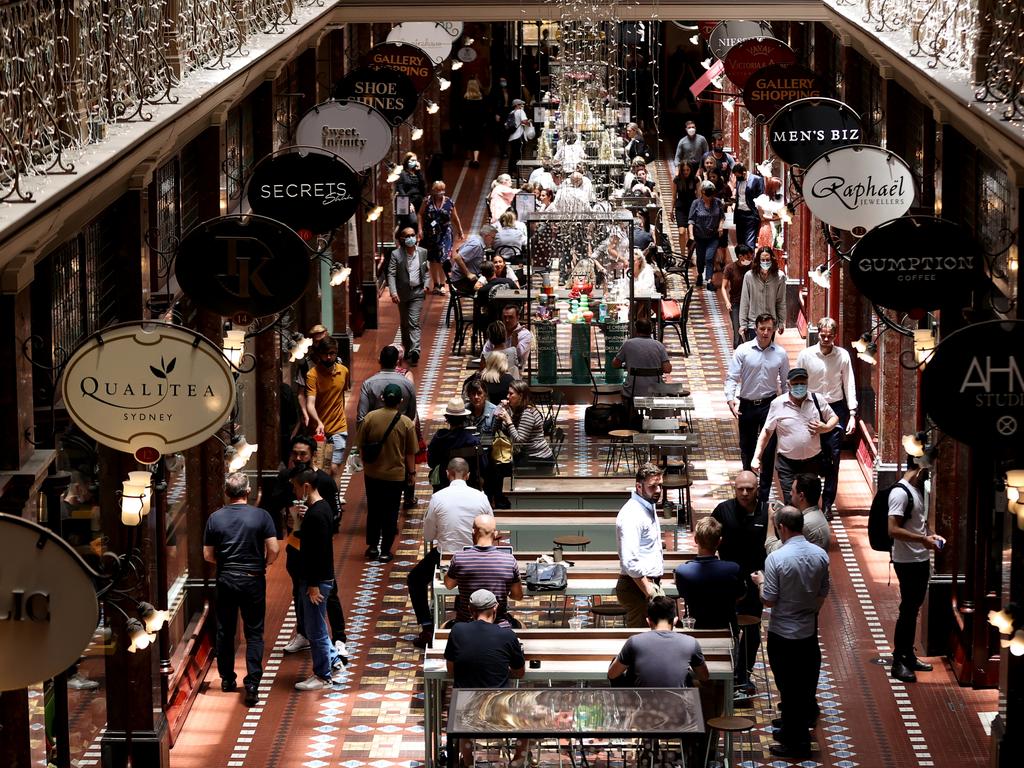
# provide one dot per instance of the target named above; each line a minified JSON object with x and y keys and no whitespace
{"x":410,"y":241}
{"x":799,"y":390}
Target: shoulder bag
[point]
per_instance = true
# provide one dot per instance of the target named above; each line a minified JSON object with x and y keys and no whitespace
{"x":546,"y":577}
{"x":370,"y":450}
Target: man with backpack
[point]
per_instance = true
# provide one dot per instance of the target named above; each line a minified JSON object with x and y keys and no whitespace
{"x":520,"y":130}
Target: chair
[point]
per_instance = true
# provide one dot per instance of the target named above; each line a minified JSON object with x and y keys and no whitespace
{"x":646,"y":372}
{"x":674,"y":460}
{"x":455,"y":299}
{"x":680,"y":324}
{"x":557,"y":443}
{"x":605,"y":612}
{"x":730,"y":726}
{"x":510,"y":253}
{"x":604,"y":390}
{"x":619,"y":449}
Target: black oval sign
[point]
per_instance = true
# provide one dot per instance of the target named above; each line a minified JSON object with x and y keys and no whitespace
{"x":770,"y":89}
{"x":804,"y":130}
{"x":242,"y":266}
{"x":387,"y":90}
{"x":402,"y":57}
{"x":916,"y":262}
{"x":305,"y":188}
{"x":973,"y":384}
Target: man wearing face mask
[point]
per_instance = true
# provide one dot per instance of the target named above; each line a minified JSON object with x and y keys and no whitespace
{"x":692,"y":147}
{"x":799,"y":421}
{"x":407,"y":282}
{"x":638,"y":534}
{"x":723,"y":160}
{"x":749,"y":186}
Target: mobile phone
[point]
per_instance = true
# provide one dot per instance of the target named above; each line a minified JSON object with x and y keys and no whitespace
{"x":534,"y":663}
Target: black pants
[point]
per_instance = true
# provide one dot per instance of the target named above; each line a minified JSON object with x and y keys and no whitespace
{"x":795,"y":665}
{"x":336,"y":616}
{"x":418,"y":581}
{"x":752,"y":418}
{"x":831,"y":448}
{"x":750,"y":605}
{"x":790,"y":468}
{"x":515,"y":154}
{"x":747,"y":224}
{"x":244,"y":593}
{"x":913,"y":578}
{"x":383,"y":499}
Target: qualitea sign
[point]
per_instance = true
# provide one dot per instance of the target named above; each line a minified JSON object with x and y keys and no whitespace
{"x":404,"y":58}
{"x":770,"y":89}
{"x":352,"y":130}
{"x":387,"y":90}
{"x":48,"y":607}
{"x":802,"y":131}
{"x":749,"y":56}
{"x":146,"y":386}
{"x":728,"y":33}
{"x":973,"y":384}
{"x":432,"y":37}
{"x":856,"y":188}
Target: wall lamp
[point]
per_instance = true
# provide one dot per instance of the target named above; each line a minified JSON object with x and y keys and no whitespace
{"x":432,"y":107}
{"x":136,"y":497}
{"x":1015,"y":494}
{"x":238,"y":452}
{"x":339,"y":274}
{"x":1005,"y":621}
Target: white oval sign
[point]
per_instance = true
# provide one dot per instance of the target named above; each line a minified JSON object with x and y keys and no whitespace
{"x":856,"y":188}
{"x":433,"y":37}
{"x":145,"y":387}
{"x":355,"y":132}
{"x":729,"y":33}
{"x":48,"y":608}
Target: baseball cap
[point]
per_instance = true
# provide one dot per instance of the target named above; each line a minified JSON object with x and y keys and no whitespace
{"x":518,"y":101}
{"x":392,"y":393}
{"x":483,"y":599}
{"x":796,"y":373}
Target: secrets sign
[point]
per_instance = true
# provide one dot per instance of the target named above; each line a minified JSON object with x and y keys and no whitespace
{"x":804,"y":130}
{"x":770,"y":89}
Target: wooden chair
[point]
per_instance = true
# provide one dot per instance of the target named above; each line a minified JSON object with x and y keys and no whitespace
{"x":680,"y":324}
{"x":731,"y":726}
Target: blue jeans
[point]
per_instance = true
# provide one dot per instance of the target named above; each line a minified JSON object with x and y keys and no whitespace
{"x":706,"y":257}
{"x":314,"y":620}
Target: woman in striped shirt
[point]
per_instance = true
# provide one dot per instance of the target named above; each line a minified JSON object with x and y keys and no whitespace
{"x":525,"y":425}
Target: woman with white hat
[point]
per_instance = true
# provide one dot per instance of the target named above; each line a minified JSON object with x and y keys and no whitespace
{"x":450,"y":438}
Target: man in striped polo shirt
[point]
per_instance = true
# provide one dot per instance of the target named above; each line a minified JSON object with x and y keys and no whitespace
{"x":484,"y":567}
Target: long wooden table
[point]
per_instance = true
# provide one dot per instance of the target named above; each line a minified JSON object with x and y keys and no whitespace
{"x":587,"y":492}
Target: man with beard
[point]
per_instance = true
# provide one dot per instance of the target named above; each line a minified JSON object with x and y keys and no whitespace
{"x":638,"y":533}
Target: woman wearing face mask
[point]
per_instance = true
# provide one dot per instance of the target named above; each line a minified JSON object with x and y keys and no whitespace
{"x":436,"y":233}
{"x":764,"y":292}
{"x":411,"y":184}
{"x":705,"y":223}
{"x":684,"y":192}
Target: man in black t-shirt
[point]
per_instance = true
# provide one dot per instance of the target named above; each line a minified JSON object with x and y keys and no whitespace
{"x":242,"y":541}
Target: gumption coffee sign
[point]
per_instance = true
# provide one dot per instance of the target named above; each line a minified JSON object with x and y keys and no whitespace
{"x":357,"y":133}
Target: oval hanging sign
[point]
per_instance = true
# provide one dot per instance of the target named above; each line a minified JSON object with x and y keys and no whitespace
{"x":404,"y":58}
{"x":857,"y":188}
{"x":146,"y":386}
{"x":771,"y":88}
{"x":726,"y":34}
{"x":355,"y":132}
{"x":387,"y":90}
{"x":48,"y":606}
{"x":747,"y":57}
{"x":466,"y":54}
{"x":973,"y":384}
{"x":305,"y":188}
{"x":432,"y":37}
{"x":916,"y":262}
{"x":805,"y":129}
{"x":242,"y":266}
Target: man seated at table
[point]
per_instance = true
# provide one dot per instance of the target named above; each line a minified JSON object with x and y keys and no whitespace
{"x":661,"y":658}
{"x":484,"y":567}
{"x":518,"y":336}
{"x":642,"y":351}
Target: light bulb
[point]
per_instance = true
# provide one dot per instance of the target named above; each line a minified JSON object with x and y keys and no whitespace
{"x":134,"y":502}
{"x":695,"y":40}
{"x":394,"y":174}
{"x":432,"y":107}
{"x":1001,"y":620}
{"x":729,"y":105}
{"x":154,"y":619}
{"x":820,"y":276}
{"x":706,"y":63}
{"x":1012,"y":494}
{"x":861,"y":345}
{"x":913,"y":446}
{"x":456,"y":65}
{"x":234,"y":345}
{"x":417,"y":134}
{"x":374,"y":213}
{"x":1015,"y":477}
{"x":336,"y":274}
{"x":139,"y":637}
{"x":746,"y":133}
{"x":444,"y":83}
{"x":868,"y":355}
{"x":1017,"y":643}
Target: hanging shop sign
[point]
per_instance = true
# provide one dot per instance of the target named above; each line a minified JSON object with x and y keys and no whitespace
{"x":973,"y":384}
{"x":726,"y":34}
{"x":387,"y":90}
{"x":242,"y":266}
{"x":771,"y":88}
{"x":48,"y":606}
{"x":404,"y":58}
{"x":355,"y":132}
{"x":857,"y":188}
{"x":148,"y":388}
{"x":466,"y":54}
{"x":805,"y":129}
{"x":305,"y":188}
{"x":916,"y":263}
{"x":749,"y":56}
{"x":432,"y":37}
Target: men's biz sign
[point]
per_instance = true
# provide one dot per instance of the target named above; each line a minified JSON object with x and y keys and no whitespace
{"x":305,"y":188}
{"x":770,"y":89}
{"x":728,"y":33}
{"x":755,"y":54}
{"x":857,"y":188}
{"x":148,"y":388}
{"x":387,"y":90}
{"x":804,"y":130}
{"x":973,"y":385}
{"x":916,"y":263}
{"x":242,"y":266}
{"x":355,"y":132}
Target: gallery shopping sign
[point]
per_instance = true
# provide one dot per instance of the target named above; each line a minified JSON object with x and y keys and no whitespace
{"x":402,"y":57}
{"x":973,"y":385}
{"x":48,"y":606}
{"x":856,"y":188}
{"x":148,"y":388}
{"x":804,"y":130}
{"x":770,"y":89}
{"x":355,"y":132}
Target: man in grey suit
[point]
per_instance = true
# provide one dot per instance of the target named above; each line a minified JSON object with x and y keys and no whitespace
{"x":407,"y":280}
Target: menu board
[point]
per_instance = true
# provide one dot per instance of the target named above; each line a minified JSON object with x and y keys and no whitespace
{"x":615,"y":335}
{"x":547,"y":352}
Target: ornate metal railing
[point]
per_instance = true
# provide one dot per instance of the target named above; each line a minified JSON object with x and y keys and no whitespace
{"x":1003,"y":81}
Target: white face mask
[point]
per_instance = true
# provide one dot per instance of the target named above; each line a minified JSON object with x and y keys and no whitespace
{"x":691,"y":132}
{"x":766,"y":265}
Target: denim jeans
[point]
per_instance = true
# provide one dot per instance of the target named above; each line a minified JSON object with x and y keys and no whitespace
{"x":706,"y":257}
{"x":314,"y":619}
{"x":244,"y":593}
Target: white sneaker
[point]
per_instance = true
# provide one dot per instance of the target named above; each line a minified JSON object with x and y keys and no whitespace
{"x":80,"y":682}
{"x":311,"y":683}
{"x":296,"y":644}
{"x":342,"y":650}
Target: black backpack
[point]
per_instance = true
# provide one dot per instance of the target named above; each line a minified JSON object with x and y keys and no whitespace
{"x":878,"y":517}
{"x":510,"y":122}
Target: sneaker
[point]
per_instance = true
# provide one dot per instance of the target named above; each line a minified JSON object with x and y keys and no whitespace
{"x":385,"y":557}
{"x":228,"y":686}
{"x":342,"y":650}
{"x":425,"y":637}
{"x":79,"y":682}
{"x":311,"y":683}
{"x":371,"y":553}
{"x":252,"y":698}
{"x":296,"y":644}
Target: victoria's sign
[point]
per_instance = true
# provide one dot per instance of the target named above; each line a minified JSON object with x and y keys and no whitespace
{"x":144,"y":387}
{"x":305,"y":188}
{"x":859,"y":187}
{"x":355,"y":132}
{"x":387,"y":90}
{"x":973,"y":384}
{"x":48,"y":608}
{"x":434,"y":38}
{"x":242,"y":266}
{"x":404,"y":58}
{"x":770,"y":89}
{"x":749,"y":56}
{"x":915,"y":263}
{"x":805,"y":129}
{"x":728,"y":33}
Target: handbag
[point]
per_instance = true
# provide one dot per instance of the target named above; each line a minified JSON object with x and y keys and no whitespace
{"x":546,"y":577}
{"x":371,"y":450}
{"x":670,"y":309}
{"x":435,"y":476}
{"x":501,"y":449}
{"x":529,"y":132}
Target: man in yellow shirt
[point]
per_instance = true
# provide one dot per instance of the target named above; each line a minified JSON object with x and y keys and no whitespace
{"x":325,"y":400}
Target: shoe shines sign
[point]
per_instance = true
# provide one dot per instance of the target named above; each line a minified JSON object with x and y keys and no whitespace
{"x":729,"y":33}
{"x":387,"y":90}
{"x":148,"y":388}
{"x":803,"y":130}
{"x":973,"y":384}
{"x":856,"y":188}
{"x":48,"y":607}
{"x":355,"y":132}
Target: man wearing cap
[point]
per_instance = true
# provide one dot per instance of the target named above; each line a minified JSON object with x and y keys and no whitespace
{"x":371,"y":393}
{"x":484,"y":567}
{"x":517,"y":137}
{"x":392,"y":437}
{"x":451,"y":438}
{"x":407,"y":281}
{"x":798,"y":421}
{"x":638,"y":536}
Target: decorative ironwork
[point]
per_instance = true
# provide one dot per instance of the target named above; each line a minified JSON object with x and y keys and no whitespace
{"x":945,"y":32}
{"x":1004,"y":75}
{"x":886,"y":15}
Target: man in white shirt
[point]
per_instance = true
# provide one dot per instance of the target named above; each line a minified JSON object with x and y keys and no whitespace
{"x":806,"y":493}
{"x":830,"y":375}
{"x":638,"y":535}
{"x":517,"y":137}
{"x":447,"y":529}
{"x":518,"y":336}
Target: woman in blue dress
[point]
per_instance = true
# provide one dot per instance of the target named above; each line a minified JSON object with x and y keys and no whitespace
{"x":437,"y":215}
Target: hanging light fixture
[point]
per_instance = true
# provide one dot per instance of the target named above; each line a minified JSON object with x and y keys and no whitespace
{"x":394,"y":173}
{"x":1016,"y":643}
{"x":141,"y":639}
{"x":1002,"y":620}
{"x":240,"y":451}
{"x":695,"y":40}
{"x":821,"y":276}
{"x":297,"y":346}
{"x":914,"y":444}
{"x":444,"y":83}
{"x":417,"y":133}
{"x":132,"y":503}
{"x":747,"y":133}
{"x":729,"y":105}
{"x":153,"y":618}
{"x":924,"y":345}
{"x":432,"y":107}
{"x":374,"y":213}
{"x":234,"y":345}
{"x":339,"y":274}
{"x":706,"y":63}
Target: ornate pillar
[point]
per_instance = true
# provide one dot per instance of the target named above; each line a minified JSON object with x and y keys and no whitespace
{"x":15,"y":369}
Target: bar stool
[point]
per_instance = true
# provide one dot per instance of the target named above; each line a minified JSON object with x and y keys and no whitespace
{"x":619,"y":448}
{"x":570,"y":540}
{"x":679,"y":481}
{"x":605,"y":612}
{"x":730,"y":725}
{"x":753,"y":624}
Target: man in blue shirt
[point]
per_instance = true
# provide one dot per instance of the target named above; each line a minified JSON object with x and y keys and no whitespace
{"x":710,"y":586}
{"x":468,"y":257}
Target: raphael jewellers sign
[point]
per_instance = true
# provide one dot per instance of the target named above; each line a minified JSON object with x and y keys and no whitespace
{"x":48,"y":608}
{"x":147,"y":388}
{"x":857,"y":188}
{"x":973,"y":384}
{"x":352,"y":130}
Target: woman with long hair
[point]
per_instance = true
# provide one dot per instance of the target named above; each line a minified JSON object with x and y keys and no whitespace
{"x":764,"y":292}
{"x":436,"y":233}
{"x":502,"y":269}
{"x":768,"y":209}
{"x":472,"y":118}
{"x":501,"y":196}
{"x":705,"y":223}
{"x":684,"y":192}
{"x":495,"y":375}
{"x":524,"y":423}
{"x":411,"y":184}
